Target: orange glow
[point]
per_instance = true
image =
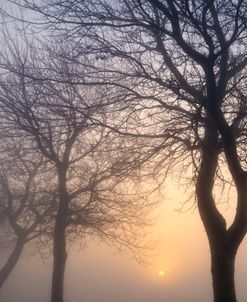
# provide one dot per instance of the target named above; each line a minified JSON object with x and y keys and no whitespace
{"x":161,"y":274}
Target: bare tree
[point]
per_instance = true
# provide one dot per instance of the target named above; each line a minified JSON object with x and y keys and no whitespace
{"x":94,"y":167}
{"x":26,"y":199}
{"x":181,"y":65}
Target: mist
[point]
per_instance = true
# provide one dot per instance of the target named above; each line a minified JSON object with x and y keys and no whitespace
{"x":98,"y":274}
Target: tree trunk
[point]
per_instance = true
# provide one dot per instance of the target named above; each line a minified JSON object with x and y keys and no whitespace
{"x":223,"y":247}
{"x":11,"y":262}
{"x":59,"y":240}
{"x":222,"y":267}
{"x":59,"y":261}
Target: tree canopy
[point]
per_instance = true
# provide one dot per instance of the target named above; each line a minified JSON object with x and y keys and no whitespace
{"x":173,"y":75}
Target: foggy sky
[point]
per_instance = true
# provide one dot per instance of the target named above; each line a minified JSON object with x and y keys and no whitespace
{"x":97,"y":275}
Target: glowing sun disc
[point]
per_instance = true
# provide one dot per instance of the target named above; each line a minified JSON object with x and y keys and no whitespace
{"x":161,"y":274}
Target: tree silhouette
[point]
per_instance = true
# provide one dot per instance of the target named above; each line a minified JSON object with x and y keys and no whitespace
{"x":181,"y":65}
{"x":27,"y":200}
{"x":94,"y":167}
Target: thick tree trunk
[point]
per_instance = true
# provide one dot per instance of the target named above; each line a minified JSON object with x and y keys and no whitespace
{"x":59,"y":261}
{"x":11,"y":262}
{"x":59,"y":240}
{"x":222,"y":267}
{"x":223,"y":247}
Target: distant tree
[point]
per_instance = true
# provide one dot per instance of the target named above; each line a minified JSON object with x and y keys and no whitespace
{"x":95,"y":168}
{"x":27,"y":199}
{"x":181,"y":65}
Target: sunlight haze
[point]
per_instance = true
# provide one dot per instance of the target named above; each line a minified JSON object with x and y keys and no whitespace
{"x":98,"y":274}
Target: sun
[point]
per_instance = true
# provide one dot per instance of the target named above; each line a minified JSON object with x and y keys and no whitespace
{"x":161,"y":274}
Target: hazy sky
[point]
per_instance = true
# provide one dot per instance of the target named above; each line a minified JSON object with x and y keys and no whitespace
{"x":97,"y":275}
